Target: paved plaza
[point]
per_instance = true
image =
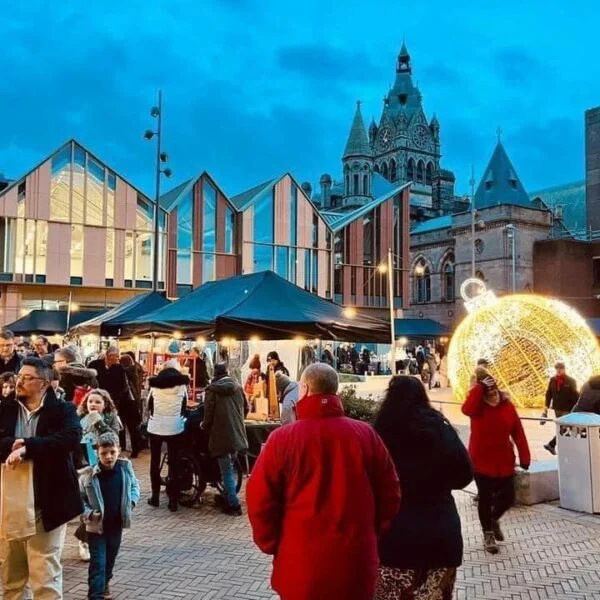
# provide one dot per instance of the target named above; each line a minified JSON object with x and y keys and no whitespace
{"x":202,"y":554}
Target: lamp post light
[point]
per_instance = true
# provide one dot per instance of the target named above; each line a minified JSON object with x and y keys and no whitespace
{"x":389,"y":269}
{"x":161,"y":159}
{"x":511,"y":234}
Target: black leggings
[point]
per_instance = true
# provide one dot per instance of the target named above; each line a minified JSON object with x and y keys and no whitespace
{"x":174,"y":443}
{"x":496,"y":496}
{"x":131,"y":419}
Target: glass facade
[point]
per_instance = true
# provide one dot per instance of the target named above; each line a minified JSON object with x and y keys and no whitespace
{"x":129,"y":255}
{"x":60,"y":185}
{"x":110,"y":254}
{"x":263,"y":258}
{"x":229,"y":230}
{"x":282,"y":261}
{"x":208,"y":267}
{"x":185,"y":221}
{"x":143,"y":256}
{"x":78,"y":187}
{"x":209,"y":217}
{"x":76,"y":251}
{"x":264,"y":219}
{"x":294,"y":216}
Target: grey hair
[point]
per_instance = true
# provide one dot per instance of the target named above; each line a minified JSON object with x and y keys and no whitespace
{"x":69,"y":353}
{"x":320,"y":379}
{"x":108,"y":439}
{"x":112,"y":350}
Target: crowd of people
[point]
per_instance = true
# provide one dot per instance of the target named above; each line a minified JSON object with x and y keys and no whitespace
{"x":377,"y":497}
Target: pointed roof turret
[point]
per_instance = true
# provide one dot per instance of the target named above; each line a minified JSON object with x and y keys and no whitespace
{"x":358,"y":142}
{"x":500,"y":183}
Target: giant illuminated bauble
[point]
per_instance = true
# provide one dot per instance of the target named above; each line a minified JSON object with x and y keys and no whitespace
{"x":522,"y":336}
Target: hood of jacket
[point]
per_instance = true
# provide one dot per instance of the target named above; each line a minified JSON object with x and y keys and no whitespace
{"x":223,"y":386}
{"x":168,"y":378}
{"x":78,"y":370}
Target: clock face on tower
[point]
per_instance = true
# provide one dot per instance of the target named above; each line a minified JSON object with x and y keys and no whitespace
{"x":420,"y":136}
{"x":385,"y":138}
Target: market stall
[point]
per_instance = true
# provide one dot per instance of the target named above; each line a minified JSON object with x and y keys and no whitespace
{"x":49,"y":322}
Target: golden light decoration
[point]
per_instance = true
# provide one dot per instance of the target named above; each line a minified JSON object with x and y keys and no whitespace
{"x":522,"y":336}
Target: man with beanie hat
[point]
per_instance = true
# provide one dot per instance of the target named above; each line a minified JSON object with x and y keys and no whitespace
{"x":495,"y":427}
{"x":561,"y":396}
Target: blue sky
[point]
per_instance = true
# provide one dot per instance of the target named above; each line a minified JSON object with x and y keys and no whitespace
{"x":254,"y":88}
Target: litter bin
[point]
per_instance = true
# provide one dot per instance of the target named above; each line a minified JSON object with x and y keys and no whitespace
{"x":578,"y":439}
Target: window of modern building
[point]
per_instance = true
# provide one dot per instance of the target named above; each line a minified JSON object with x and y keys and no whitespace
{"x":111,"y":187}
{"x":60,"y":185}
{"x":315,"y":230}
{"x":328,"y":238}
{"x":21,"y":192}
{"x":307,"y":277}
{"x":263,"y":219}
{"x":78,"y":187}
{"x":94,"y":207}
{"x":29,"y":247}
{"x":294,"y":216}
{"x":338,"y":288}
{"x":76,"y":251}
{"x":110,"y":254}
{"x":144,"y":216}
{"x":185,"y":220}
{"x":208,"y":268}
{"x":293,"y":270}
{"x":209,"y":217}
{"x":41,"y":247}
{"x":129,"y":255}
{"x":315,"y":272}
{"x":263,"y":258}
{"x":281,"y":261}
{"x":368,"y":239}
{"x":20,"y":246}
{"x":143,"y":256}
{"x":229,"y":230}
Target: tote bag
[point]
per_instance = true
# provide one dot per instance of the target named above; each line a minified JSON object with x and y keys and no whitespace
{"x":17,"y":505}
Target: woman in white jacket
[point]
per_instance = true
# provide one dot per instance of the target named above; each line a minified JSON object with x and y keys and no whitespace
{"x":166,"y":404}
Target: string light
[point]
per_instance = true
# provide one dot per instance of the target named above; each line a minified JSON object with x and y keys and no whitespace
{"x":521,"y":336}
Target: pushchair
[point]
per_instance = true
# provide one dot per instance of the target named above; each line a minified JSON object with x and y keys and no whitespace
{"x":197,"y":470}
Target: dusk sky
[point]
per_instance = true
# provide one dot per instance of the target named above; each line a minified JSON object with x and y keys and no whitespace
{"x":254,"y":88}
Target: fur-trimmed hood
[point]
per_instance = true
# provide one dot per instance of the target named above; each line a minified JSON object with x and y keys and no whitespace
{"x":168,"y":378}
{"x":78,"y":370}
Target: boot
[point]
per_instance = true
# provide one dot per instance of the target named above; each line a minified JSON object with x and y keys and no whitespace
{"x":489,"y":542}
{"x":498,"y":534}
{"x":154,"y":500}
{"x":173,"y":504}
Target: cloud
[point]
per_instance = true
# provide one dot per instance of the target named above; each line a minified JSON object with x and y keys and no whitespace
{"x":516,"y":66}
{"x":440,"y":74}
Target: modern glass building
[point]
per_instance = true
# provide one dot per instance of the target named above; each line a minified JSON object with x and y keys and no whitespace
{"x":72,"y":229}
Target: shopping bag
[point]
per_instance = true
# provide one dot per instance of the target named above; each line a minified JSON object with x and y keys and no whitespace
{"x":17,"y":504}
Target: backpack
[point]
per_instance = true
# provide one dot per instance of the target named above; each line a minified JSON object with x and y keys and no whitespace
{"x":79,"y":393}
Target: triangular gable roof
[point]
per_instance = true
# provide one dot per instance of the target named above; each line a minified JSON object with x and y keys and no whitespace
{"x":243,"y":307}
{"x":246,"y":199}
{"x":349,"y":217}
{"x":172,"y":198}
{"x":500,"y":183}
{"x":92,"y":154}
{"x":571,"y":197}
{"x":109,"y":323}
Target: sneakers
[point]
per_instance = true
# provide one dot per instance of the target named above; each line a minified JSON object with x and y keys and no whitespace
{"x":84,"y":552}
{"x":498,"y":532}
{"x":550,"y":449}
{"x":489,"y":542}
{"x":107,"y":594}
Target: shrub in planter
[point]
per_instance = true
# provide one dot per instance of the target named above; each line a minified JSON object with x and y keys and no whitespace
{"x":357,"y":407}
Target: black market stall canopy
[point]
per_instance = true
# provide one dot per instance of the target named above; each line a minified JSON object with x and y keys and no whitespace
{"x":49,"y":322}
{"x":109,"y":323}
{"x":260,"y":305}
{"x":419,"y":328}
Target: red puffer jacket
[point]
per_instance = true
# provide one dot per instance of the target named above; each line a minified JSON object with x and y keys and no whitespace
{"x":322,"y":490}
{"x":493,"y":430}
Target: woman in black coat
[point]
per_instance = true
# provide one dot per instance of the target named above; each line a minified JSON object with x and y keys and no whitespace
{"x":421,"y":551}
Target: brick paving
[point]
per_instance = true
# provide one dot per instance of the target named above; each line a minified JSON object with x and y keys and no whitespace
{"x":201,"y":554}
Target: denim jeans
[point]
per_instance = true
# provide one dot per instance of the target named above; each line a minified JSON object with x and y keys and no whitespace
{"x":227,"y":474}
{"x":103,"y":553}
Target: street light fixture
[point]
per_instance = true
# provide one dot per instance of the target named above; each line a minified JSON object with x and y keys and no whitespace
{"x":161,"y":158}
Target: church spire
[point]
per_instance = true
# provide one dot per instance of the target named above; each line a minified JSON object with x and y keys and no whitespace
{"x":403,"y":65}
{"x":358,"y":141}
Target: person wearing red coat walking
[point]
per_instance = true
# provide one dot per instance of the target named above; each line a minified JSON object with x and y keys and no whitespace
{"x":321,"y":492}
{"x":495,"y":426}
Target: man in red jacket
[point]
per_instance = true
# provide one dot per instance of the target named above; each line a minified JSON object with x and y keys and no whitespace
{"x":495,"y":425}
{"x":322,"y":490}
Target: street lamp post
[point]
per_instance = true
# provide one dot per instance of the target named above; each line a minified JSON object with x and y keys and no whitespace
{"x":473,"y":218}
{"x":161,"y":158}
{"x":388,"y":268}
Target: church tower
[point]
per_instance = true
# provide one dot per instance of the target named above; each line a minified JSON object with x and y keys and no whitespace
{"x":358,"y":164}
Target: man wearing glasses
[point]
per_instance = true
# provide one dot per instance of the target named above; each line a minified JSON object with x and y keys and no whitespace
{"x":10,"y":361}
{"x":36,"y":426}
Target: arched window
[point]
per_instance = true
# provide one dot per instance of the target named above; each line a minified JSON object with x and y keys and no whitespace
{"x":347,"y":185}
{"x":420,"y":171}
{"x":410,"y":170}
{"x":429,"y":173}
{"x":365,"y":185}
{"x":448,"y":279}
{"x":421,"y":283}
{"x":355,"y":191}
{"x":480,"y":275}
{"x":384,"y":170}
{"x":376,"y":168}
{"x":393,"y":172}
